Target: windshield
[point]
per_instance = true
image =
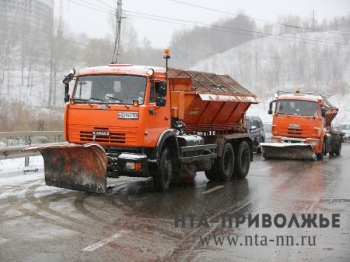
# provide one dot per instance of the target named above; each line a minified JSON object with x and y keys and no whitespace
{"x":110,"y":89}
{"x":344,"y":127}
{"x":296,"y":107}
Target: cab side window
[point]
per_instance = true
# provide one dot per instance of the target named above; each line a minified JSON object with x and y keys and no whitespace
{"x":154,"y":91}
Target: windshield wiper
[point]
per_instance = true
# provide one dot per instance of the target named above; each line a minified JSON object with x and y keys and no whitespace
{"x":98,"y":99}
{"x":82,"y":100}
{"x":117,"y":99}
{"x":101,"y":100}
{"x":114,"y":98}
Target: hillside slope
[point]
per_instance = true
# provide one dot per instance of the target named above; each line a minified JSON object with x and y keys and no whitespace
{"x":315,"y":62}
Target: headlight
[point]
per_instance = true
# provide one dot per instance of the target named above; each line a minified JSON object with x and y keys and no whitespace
{"x":314,"y":142}
{"x":133,"y":165}
{"x":130,"y":165}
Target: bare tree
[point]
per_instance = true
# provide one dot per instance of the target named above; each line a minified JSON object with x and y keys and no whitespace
{"x":24,"y":32}
{"x":7,"y":45}
{"x":96,"y":52}
{"x":57,"y":50}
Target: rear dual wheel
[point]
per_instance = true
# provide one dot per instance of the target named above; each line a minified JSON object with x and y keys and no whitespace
{"x":242,"y":163}
{"x":223,"y":167}
{"x":231,"y":163}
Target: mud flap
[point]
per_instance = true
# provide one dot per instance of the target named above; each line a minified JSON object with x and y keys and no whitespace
{"x":73,"y":166}
{"x":287,"y":151}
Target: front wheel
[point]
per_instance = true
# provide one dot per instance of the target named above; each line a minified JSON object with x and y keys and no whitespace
{"x":162,"y":177}
{"x":242,"y":163}
{"x":323,"y":153}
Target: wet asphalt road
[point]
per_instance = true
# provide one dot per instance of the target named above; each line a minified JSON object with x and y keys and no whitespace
{"x":134,"y":223}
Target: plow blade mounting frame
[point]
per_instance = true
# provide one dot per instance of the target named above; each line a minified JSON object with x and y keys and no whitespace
{"x":296,"y":151}
{"x":73,"y":166}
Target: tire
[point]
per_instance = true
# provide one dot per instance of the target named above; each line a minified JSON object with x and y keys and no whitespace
{"x":319,"y":156}
{"x":242,"y":163}
{"x":337,"y":151}
{"x":226,"y":163}
{"x":223,"y":167}
{"x":162,"y":177}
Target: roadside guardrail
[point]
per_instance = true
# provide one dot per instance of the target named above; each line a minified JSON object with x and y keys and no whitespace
{"x":9,"y":152}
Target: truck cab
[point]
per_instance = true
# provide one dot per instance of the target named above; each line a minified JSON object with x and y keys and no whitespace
{"x":107,"y":106}
{"x":301,"y":121}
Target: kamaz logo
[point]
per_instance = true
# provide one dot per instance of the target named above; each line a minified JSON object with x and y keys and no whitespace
{"x":100,"y":133}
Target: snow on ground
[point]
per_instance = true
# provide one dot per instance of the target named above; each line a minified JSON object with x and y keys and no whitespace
{"x":13,"y":171}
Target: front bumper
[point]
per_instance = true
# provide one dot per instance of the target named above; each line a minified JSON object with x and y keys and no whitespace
{"x":128,"y":164}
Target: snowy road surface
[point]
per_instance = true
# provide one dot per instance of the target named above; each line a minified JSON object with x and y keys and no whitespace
{"x":279,"y":213}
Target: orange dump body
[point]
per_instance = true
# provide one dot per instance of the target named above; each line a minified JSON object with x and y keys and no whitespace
{"x":208,"y":101}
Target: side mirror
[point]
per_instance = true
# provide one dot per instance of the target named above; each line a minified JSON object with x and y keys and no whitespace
{"x":323,"y":112}
{"x":162,"y":89}
{"x":160,"y":101}
{"x":66,"y":81}
{"x":66,"y":98}
{"x":69,"y":77}
{"x":270,"y":107}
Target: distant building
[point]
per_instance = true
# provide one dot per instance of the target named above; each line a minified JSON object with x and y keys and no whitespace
{"x":35,"y":13}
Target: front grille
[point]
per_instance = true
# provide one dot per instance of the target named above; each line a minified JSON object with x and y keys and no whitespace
{"x":114,"y":137}
{"x":292,"y":131}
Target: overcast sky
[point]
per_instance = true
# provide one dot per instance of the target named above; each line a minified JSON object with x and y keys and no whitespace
{"x":157,"y":19}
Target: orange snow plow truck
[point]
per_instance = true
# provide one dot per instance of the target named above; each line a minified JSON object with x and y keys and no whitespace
{"x":301,"y":127}
{"x":141,"y":121}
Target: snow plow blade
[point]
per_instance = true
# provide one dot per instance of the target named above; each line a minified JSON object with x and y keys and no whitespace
{"x":73,"y":166}
{"x":287,"y":151}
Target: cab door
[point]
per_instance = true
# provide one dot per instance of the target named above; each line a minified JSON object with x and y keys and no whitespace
{"x":158,"y":118}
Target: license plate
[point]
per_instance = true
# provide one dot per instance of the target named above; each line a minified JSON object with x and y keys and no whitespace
{"x":128,"y":115}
